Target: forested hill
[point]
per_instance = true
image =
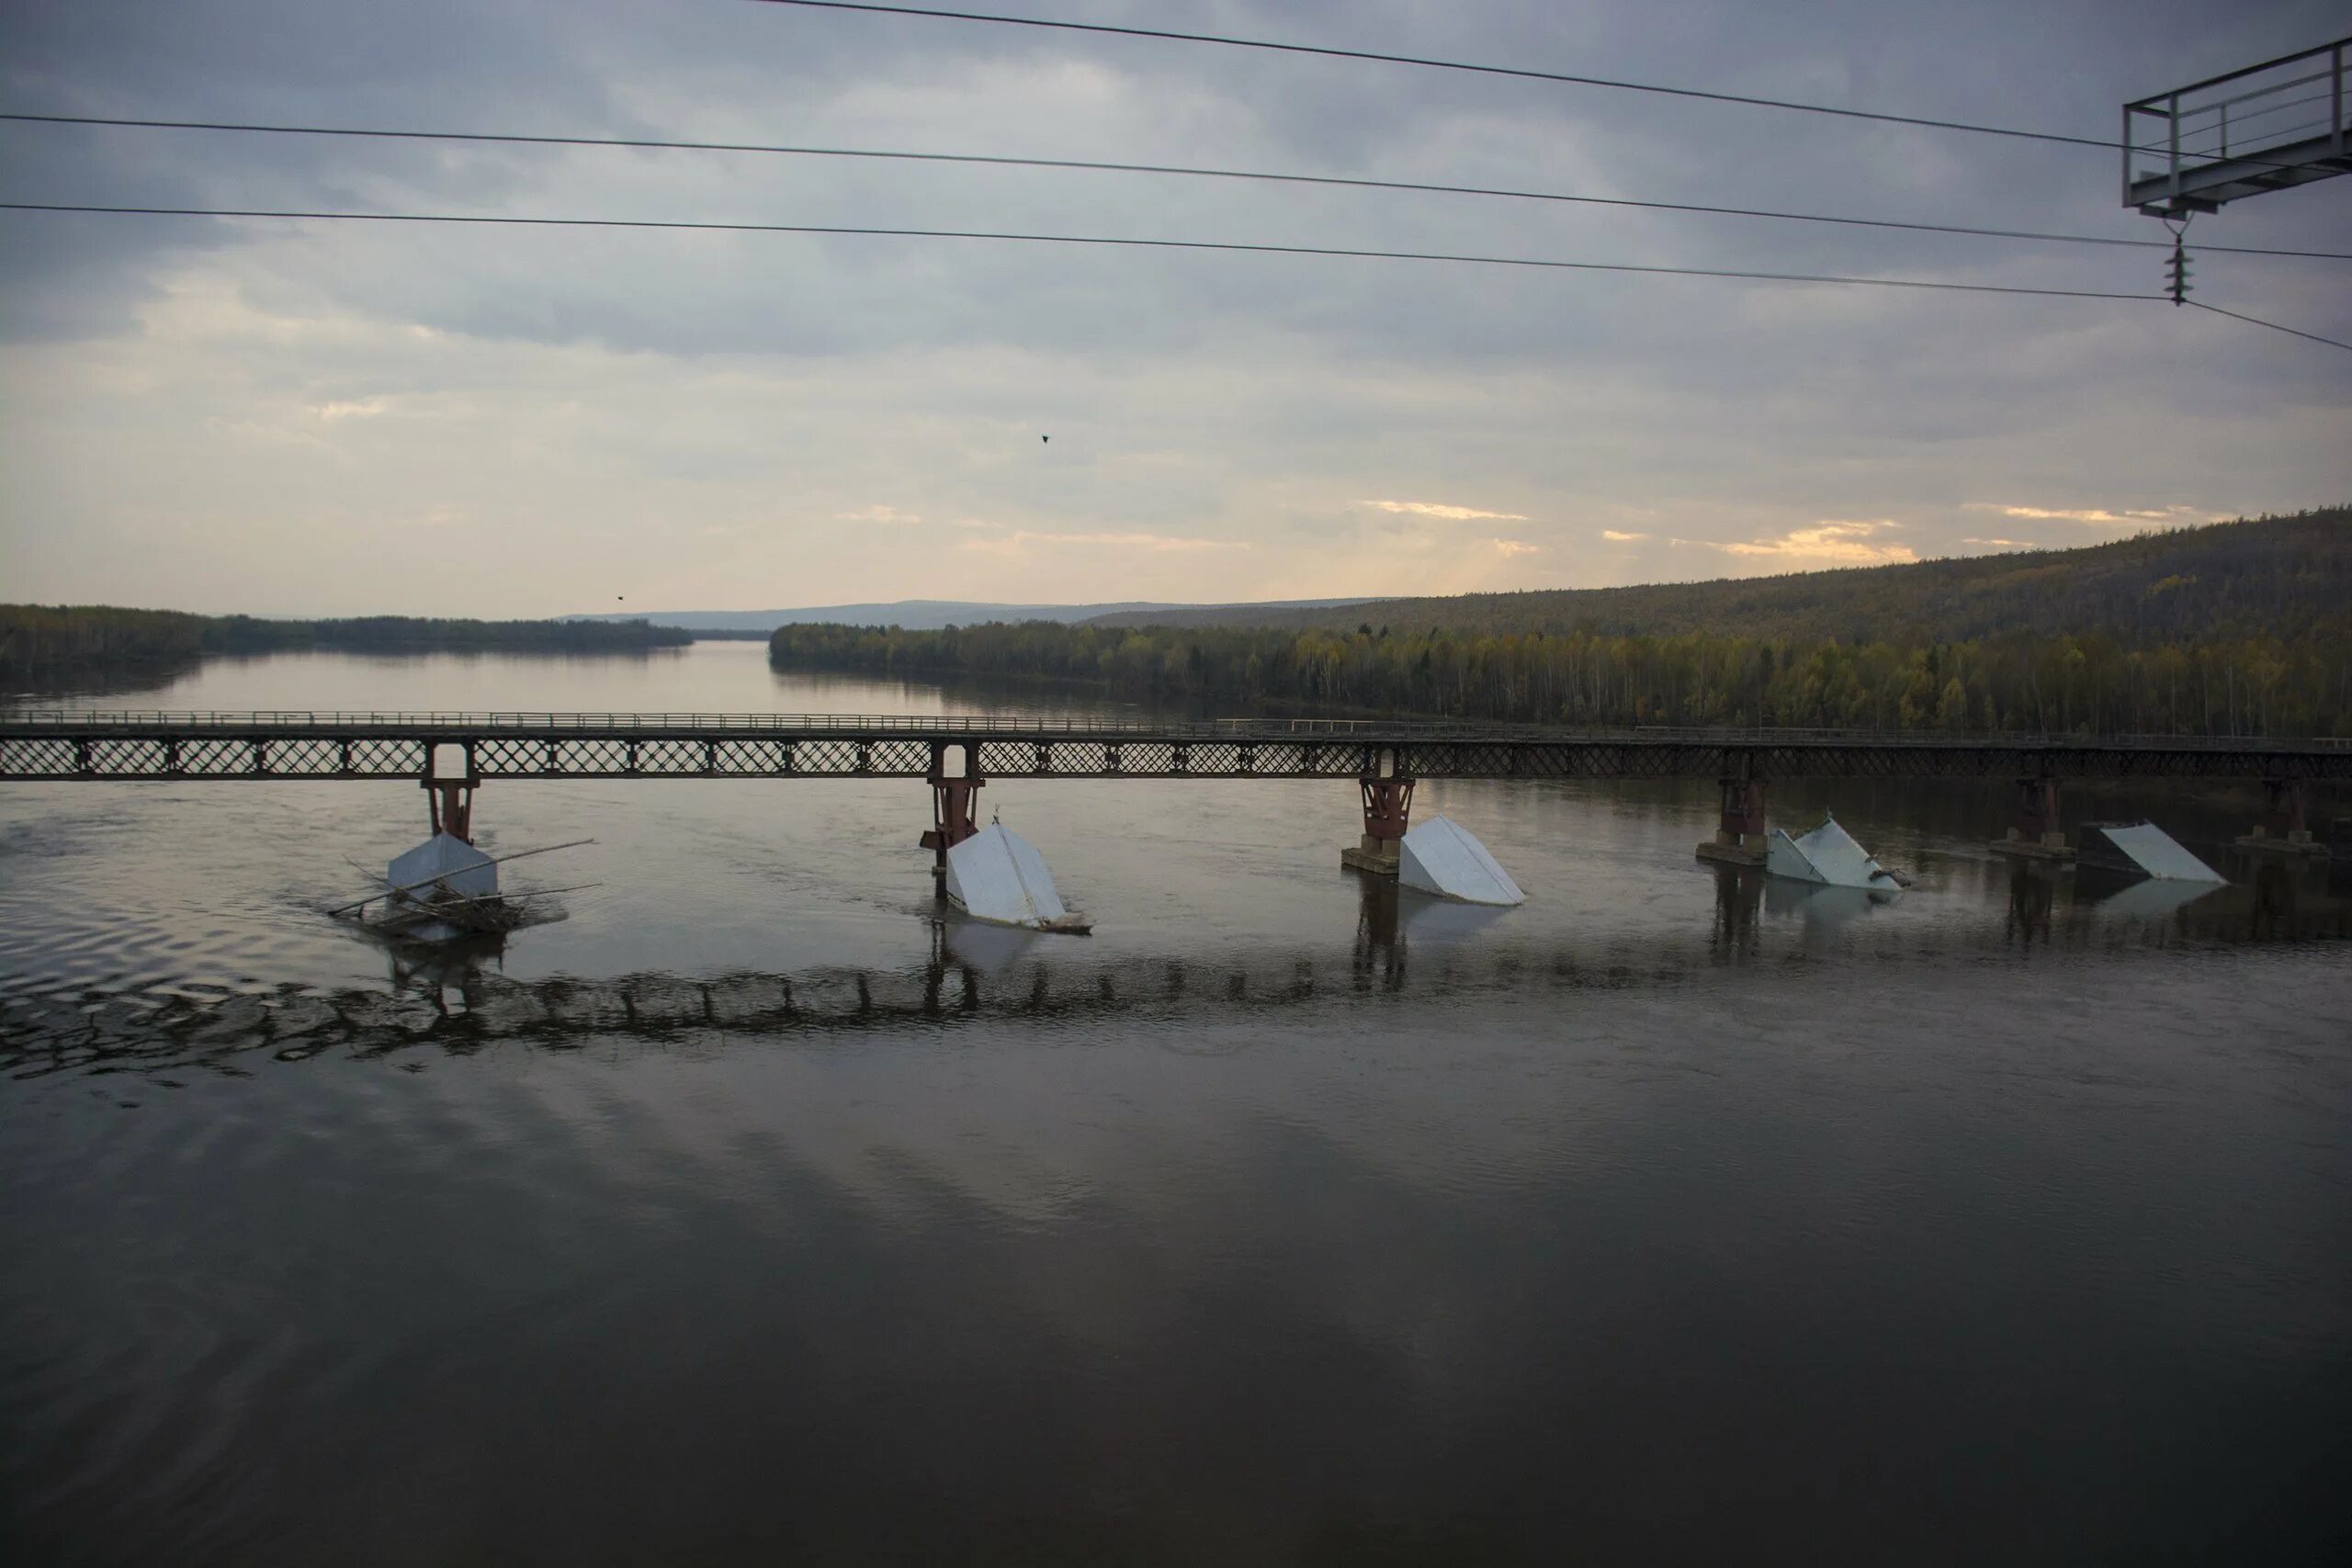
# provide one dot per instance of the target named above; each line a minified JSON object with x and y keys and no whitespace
{"x":41,"y":642}
{"x":2273,"y":576}
{"x":2240,"y":629}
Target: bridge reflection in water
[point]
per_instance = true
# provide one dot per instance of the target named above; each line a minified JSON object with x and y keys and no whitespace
{"x":455,"y":998}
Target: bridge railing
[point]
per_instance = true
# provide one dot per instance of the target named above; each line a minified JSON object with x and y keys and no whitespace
{"x":283,"y":721}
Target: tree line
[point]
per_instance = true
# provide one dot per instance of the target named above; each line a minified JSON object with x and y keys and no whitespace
{"x":2017,"y":683}
{"x":2232,"y":629}
{"x":2275,"y":576}
{"x":39,"y":641}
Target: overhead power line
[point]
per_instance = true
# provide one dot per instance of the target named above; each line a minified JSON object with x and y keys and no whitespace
{"x":1126,"y":242}
{"x":2255,"y":320}
{"x":1101,"y":166}
{"x":1095,"y":240}
{"x":1332,"y":51}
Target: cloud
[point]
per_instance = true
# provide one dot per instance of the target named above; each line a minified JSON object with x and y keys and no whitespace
{"x":1615,"y":537}
{"x":2003,"y":544}
{"x":877,"y":513}
{"x":1841,"y":543}
{"x":579,"y":383}
{"x":2097,"y":515}
{"x":1440,"y":509}
{"x":1022,"y":539}
{"x":1514,"y":546}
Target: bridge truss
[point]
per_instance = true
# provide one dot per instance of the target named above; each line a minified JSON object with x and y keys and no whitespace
{"x":472,"y":749}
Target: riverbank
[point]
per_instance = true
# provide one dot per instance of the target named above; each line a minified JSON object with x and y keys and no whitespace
{"x":74,"y":646}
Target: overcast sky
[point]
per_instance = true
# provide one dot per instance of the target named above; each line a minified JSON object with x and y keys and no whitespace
{"x":312,"y":417}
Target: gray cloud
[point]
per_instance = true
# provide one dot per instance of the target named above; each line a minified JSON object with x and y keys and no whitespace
{"x":612,"y":390}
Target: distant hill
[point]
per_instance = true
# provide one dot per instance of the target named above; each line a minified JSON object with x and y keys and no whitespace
{"x":2280,"y":576}
{"x":2241,"y":628}
{"x":930,"y":615}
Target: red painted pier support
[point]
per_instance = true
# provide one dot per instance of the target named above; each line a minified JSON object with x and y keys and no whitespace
{"x":2283,"y":828}
{"x":2037,"y":833}
{"x":449,"y":799}
{"x":449,"y":804}
{"x":1739,"y":831}
{"x":1388,"y":813}
{"x":951,"y":809}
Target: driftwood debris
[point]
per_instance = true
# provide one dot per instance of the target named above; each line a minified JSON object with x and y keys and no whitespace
{"x":391,"y":893}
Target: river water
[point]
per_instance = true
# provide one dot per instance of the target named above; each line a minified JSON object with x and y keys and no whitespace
{"x":745,"y":1214}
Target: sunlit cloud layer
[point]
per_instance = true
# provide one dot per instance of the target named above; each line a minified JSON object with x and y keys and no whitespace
{"x":2129,"y":518}
{"x":1440,"y":509}
{"x":1024,"y":539}
{"x":1835,"y":543}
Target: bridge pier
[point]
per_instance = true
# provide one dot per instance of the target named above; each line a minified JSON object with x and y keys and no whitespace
{"x":2283,"y":830}
{"x":951,"y":809}
{"x":2035,"y":834}
{"x":1387,"y":812}
{"x":1739,"y":832}
{"x":449,"y":802}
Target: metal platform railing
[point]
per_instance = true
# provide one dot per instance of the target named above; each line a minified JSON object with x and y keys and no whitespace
{"x":2268,"y":127}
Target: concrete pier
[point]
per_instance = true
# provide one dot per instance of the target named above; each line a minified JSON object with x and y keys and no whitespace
{"x":2283,"y":830}
{"x":2035,"y":834}
{"x":1727,"y":848}
{"x":2297,"y":842}
{"x":1375,"y":856}
{"x":1739,"y":832}
{"x":2048,"y":846}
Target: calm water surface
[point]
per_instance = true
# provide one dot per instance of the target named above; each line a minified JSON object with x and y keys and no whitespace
{"x":746,"y":1215}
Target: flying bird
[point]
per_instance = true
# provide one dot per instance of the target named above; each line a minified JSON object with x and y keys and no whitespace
{"x":1045,"y":438}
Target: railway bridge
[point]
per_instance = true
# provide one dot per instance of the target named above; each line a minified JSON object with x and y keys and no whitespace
{"x":453,"y":754}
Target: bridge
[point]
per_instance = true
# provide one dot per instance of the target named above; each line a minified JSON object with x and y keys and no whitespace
{"x":453,"y":753}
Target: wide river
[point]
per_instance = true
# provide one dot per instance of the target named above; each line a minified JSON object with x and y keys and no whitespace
{"x":746,"y":1215}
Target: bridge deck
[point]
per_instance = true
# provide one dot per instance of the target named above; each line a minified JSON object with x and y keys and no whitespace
{"x":90,"y":746}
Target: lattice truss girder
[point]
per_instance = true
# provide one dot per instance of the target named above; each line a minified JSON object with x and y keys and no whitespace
{"x":127,"y":758}
{"x":623,"y":754}
{"x":310,"y":756}
{"x":513,"y":757}
{"x":215,"y":759}
{"x":376,"y":757}
{"x":38,"y":757}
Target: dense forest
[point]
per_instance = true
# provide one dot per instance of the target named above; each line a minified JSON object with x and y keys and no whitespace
{"x":2273,"y":576}
{"x":39,"y":641}
{"x":2278,"y":662}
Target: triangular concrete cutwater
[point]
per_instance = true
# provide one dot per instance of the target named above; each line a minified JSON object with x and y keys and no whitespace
{"x":998,"y":876}
{"x":1439,"y":855}
{"x":448,"y":860}
{"x":2142,"y":849}
{"x":1827,"y":855}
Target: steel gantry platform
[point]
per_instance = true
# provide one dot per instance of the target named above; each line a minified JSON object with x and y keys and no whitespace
{"x":2269,"y":127}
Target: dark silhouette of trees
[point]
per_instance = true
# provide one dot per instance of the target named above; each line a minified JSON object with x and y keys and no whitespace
{"x":2089,"y":646}
{"x":39,"y":641}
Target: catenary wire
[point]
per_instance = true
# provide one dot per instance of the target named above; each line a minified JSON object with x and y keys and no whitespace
{"x":1333,"y":51}
{"x":1100,"y":166}
{"x":2256,"y":320}
{"x":1098,"y":240}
